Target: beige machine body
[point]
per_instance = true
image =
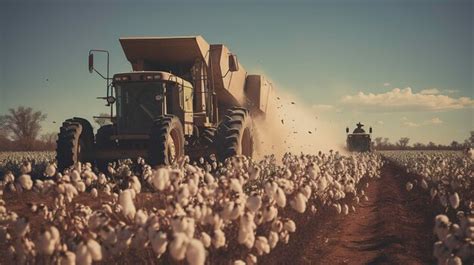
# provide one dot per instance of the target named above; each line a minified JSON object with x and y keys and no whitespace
{"x":218,"y":80}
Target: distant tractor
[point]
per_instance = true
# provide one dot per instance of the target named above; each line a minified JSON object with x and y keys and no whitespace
{"x":359,"y":140}
{"x":182,"y":97}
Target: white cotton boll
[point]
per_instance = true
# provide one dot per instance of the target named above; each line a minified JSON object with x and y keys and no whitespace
{"x":454,"y":260}
{"x":101,"y":179}
{"x":289,"y":226}
{"x":141,"y":217}
{"x":271,"y":189}
{"x":25,"y":168}
{"x":280,"y":198}
{"x":50,"y":170}
{"x":209,"y":178}
{"x":442,"y":224}
{"x":95,"y":250}
{"x":83,"y":257}
{"x":299,"y":203}
{"x":235,"y":185}
{"x":25,"y":181}
{"x":254,"y":203}
{"x":306,"y":191}
{"x":239,"y":262}
{"x":135,"y":184}
{"x":75,"y":176}
{"x":251,"y":259}
{"x":219,"y":239}
{"x":443,"y":200}
{"x":424,"y":184}
{"x":160,"y":179}
{"x":178,"y":246}
{"x":183,"y":196}
{"x":195,"y":252}
{"x":409,"y":186}
{"x":94,"y":193}
{"x":272,"y":239}
{"x":345,"y":209}
{"x":158,"y":241}
{"x":126,"y":202}
{"x":80,"y":186}
{"x":67,"y":258}
{"x":205,"y":239}
{"x":454,"y":200}
{"x":8,"y":178}
{"x":269,"y":213}
{"x":366,"y":198}
{"x":262,"y":246}
{"x":45,"y":243}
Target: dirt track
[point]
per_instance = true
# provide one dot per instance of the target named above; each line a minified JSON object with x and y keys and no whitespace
{"x":393,"y":227}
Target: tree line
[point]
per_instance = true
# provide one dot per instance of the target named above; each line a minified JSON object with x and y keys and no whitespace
{"x":381,"y":143}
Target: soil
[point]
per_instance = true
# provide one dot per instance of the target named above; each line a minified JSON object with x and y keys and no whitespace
{"x":393,"y":227}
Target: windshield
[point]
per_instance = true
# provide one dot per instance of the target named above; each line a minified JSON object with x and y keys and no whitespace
{"x":138,"y":105}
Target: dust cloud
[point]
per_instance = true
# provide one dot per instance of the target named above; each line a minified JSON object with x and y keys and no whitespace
{"x":293,"y":126}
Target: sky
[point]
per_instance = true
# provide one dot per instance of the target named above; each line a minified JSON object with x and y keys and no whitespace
{"x":403,"y":67}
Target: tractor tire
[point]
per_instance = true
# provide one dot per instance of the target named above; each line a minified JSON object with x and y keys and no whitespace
{"x":73,"y":144}
{"x":166,"y":144}
{"x":102,"y":141}
{"x":208,"y":136}
{"x":87,"y":131}
{"x":235,"y":134}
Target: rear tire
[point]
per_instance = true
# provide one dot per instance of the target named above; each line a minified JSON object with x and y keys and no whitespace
{"x":235,"y":134}
{"x":166,"y":143}
{"x":74,"y":143}
{"x":103,"y":141}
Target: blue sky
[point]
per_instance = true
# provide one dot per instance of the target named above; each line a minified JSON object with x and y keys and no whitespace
{"x":406,"y":67}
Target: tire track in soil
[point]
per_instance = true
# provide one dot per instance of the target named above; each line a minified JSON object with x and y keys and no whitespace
{"x":393,"y":227}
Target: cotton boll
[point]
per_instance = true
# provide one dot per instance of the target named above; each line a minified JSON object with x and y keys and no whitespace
{"x":345,"y":209}
{"x":409,"y":186}
{"x":454,"y":200}
{"x":272,"y":239}
{"x":262,"y":246}
{"x":140,"y":217}
{"x":135,"y":184}
{"x":178,"y":246}
{"x":45,"y":242}
{"x":67,"y":258}
{"x":289,"y":226}
{"x":251,"y":259}
{"x":125,"y":200}
{"x":442,"y":224}
{"x":235,"y":185}
{"x":239,"y":262}
{"x":94,"y":193}
{"x":280,"y":198}
{"x":94,"y":249}
{"x":454,"y":260}
{"x":158,"y":241}
{"x":254,"y":203}
{"x":25,"y":168}
{"x":195,"y":252}
{"x":25,"y":181}
{"x":424,"y":184}
{"x":50,"y":170}
{"x":205,"y":239}
{"x":160,"y":179}
{"x":219,"y":239}
{"x":83,"y":256}
{"x":299,"y":203}
{"x":269,"y":213}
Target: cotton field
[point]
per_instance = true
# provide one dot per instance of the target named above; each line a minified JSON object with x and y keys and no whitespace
{"x":197,"y":212}
{"x":449,"y":179}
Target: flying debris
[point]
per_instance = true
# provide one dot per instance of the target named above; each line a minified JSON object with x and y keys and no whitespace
{"x":293,"y":103}
{"x":310,"y":132}
{"x":282,"y":122}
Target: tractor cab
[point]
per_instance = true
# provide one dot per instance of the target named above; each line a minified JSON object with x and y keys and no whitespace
{"x":359,"y":140}
{"x":143,"y":96}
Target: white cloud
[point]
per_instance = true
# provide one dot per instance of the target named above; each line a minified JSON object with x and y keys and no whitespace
{"x":430,"y":91}
{"x":386,"y":84}
{"x":405,"y":100}
{"x":433,"y":121}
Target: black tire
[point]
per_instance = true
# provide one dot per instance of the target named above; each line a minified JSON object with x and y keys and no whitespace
{"x":235,"y":134}
{"x":103,"y":141}
{"x":208,"y":136}
{"x":73,"y":145}
{"x":166,"y":142}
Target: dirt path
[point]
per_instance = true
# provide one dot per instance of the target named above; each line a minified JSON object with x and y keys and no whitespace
{"x":393,"y":227}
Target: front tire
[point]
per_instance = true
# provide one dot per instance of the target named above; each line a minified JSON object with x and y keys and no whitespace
{"x":74,"y":143}
{"x":166,"y":144}
{"x":235,"y":135}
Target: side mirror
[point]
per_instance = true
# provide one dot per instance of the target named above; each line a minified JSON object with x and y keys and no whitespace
{"x":347,"y":129}
{"x":233,"y":63}
{"x":110,"y":100}
{"x":370,"y":129}
{"x":91,"y":63}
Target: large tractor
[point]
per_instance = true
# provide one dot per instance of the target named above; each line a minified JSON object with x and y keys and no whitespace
{"x":359,"y":140}
{"x":182,"y":97}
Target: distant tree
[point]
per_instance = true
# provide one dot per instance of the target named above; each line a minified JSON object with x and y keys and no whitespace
{"x":49,"y":138}
{"x":403,"y":142}
{"x":23,"y":124}
{"x":378,"y":141}
{"x":386,"y":141}
{"x":102,"y":121}
{"x":431,"y":145}
{"x":418,"y":146}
